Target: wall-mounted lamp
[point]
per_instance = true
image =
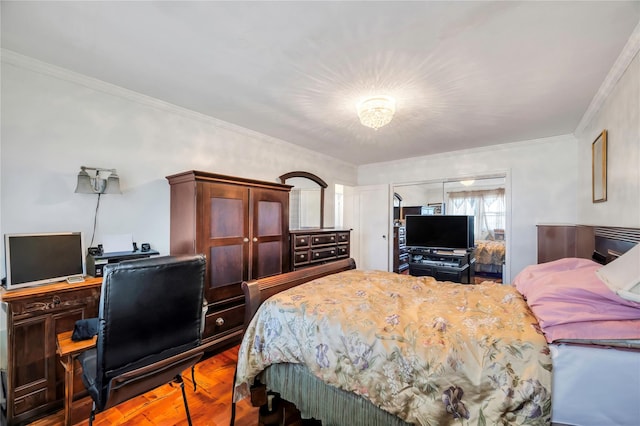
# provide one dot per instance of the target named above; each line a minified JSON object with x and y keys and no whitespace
{"x":95,"y":180}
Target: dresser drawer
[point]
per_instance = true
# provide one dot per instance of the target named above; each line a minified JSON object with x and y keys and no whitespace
{"x":55,"y":302}
{"x":343,"y":250}
{"x":343,"y":237}
{"x":301,"y":241}
{"x":301,"y":257}
{"x":218,"y":322}
{"x":318,"y":240}
{"x":325,"y":253}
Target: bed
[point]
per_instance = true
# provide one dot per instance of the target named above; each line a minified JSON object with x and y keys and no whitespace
{"x":489,"y":256}
{"x":436,"y":374}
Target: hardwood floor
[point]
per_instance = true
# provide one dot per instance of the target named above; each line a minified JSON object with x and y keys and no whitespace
{"x":209,"y":405}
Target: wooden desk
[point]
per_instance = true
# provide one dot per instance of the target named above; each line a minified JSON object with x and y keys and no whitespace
{"x":35,"y":315}
{"x":68,"y":351}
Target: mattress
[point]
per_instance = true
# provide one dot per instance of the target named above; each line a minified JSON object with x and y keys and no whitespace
{"x":595,"y":386}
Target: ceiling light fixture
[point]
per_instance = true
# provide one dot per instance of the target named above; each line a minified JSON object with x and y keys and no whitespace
{"x":376,"y":111}
{"x":467,"y":182}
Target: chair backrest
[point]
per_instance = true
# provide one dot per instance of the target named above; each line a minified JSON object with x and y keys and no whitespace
{"x":150,"y":310}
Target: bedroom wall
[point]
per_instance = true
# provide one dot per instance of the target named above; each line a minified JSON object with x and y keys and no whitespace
{"x":620,"y":115}
{"x":541,"y":183}
{"x":54,"y":121}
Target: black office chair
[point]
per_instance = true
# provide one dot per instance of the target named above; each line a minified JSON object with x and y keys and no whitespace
{"x":149,"y":329}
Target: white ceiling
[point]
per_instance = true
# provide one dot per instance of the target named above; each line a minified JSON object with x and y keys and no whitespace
{"x":465,"y":74}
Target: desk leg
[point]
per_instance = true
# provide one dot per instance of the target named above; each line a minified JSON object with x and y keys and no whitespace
{"x":67,"y":363}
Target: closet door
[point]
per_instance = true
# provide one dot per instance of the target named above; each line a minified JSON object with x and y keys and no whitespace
{"x":225,"y":238}
{"x":270,"y":232}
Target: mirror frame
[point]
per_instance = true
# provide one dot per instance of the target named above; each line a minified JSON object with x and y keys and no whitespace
{"x":599,"y":168}
{"x":314,"y":178}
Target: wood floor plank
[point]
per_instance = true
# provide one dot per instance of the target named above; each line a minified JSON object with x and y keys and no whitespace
{"x":209,"y":405}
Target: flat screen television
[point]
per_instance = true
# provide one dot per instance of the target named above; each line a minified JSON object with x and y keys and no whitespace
{"x":33,"y":259}
{"x":439,"y":232}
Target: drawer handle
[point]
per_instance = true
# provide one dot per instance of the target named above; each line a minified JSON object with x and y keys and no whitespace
{"x":301,"y":256}
{"x":317,"y":254}
{"x":220,"y":322}
{"x":317,"y":239}
{"x":302,"y":240}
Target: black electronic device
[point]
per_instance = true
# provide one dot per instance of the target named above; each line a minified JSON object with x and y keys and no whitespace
{"x":146,"y":247}
{"x":41,"y":258}
{"x":96,"y":263}
{"x":440,"y":232}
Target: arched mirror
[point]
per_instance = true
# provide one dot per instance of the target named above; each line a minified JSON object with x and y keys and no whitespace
{"x":397,"y":205}
{"x":306,"y":200}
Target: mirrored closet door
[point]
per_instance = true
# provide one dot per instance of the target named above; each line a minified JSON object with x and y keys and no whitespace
{"x":483,"y":197}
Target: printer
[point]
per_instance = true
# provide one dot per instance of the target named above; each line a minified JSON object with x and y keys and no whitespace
{"x":96,"y":261}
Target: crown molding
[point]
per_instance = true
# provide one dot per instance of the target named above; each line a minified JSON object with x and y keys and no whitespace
{"x":35,"y":65}
{"x":629,"y":52}
{"x":26,"y":62}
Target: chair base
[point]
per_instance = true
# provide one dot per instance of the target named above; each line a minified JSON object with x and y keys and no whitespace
{"x":177,"y":379}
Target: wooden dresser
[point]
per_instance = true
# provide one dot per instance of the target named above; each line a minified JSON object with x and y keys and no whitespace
{"x":314,"y":246}
{"x":35,"y":315}
{"x":242,"y":226}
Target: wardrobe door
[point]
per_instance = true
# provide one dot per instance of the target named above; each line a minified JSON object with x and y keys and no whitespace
{"x":225,"y":238}
{"x":270,"y":232}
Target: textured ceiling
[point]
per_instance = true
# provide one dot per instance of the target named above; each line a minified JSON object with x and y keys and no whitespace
{"x":465,"y":74}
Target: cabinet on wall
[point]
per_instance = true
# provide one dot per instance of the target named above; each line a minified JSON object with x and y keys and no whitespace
{"x":34,"y":380}
{"x":311,"y":247}
{"x":400,"y":251}
{"x":241,"y":225}
{"x":557,"y":241}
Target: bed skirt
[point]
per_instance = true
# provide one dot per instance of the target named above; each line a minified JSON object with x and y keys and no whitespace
{"x":317,"y":400}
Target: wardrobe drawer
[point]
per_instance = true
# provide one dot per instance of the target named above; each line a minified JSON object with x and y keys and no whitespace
{"x":224,"y":320}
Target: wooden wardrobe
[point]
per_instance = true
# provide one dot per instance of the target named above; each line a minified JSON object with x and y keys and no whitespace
{"x":242,"y":226}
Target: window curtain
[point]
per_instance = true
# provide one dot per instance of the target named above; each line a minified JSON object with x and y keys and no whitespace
{"x":487,"y":206}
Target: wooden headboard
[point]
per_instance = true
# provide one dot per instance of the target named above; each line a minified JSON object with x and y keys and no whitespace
{"x":610,"y":242}
{"x":257,"y":291}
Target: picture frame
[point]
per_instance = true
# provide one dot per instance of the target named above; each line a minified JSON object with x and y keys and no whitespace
{"x":438,"y":208}
{"x":599,"y":168}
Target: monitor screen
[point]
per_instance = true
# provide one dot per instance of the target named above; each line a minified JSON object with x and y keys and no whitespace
{"x":439,"y":232}
{"x":33,"y":259}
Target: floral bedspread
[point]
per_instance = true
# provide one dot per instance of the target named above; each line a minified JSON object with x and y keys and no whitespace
{"x":430,"y":352}
{"x":490,"y":252}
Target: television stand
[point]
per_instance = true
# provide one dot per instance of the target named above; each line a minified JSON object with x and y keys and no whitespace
{"x":443,"y":265}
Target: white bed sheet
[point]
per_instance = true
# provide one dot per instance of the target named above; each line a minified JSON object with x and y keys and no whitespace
{"x":595,"y":386}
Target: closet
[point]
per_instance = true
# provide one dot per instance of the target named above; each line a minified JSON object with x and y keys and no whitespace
{"x":242,"y":226}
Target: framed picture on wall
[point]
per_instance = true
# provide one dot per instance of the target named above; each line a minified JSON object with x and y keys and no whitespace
{"x":438,"y":208}
{"x":599,"y":168}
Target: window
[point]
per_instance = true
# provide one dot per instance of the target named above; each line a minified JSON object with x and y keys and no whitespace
{"x":488,"y":207}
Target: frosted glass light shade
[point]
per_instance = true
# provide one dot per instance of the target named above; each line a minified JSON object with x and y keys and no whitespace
{"x":376,"y":111}
{"x":98,"y":184}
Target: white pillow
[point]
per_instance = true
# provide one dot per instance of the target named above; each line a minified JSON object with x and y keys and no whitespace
{"x":622,"y":275}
